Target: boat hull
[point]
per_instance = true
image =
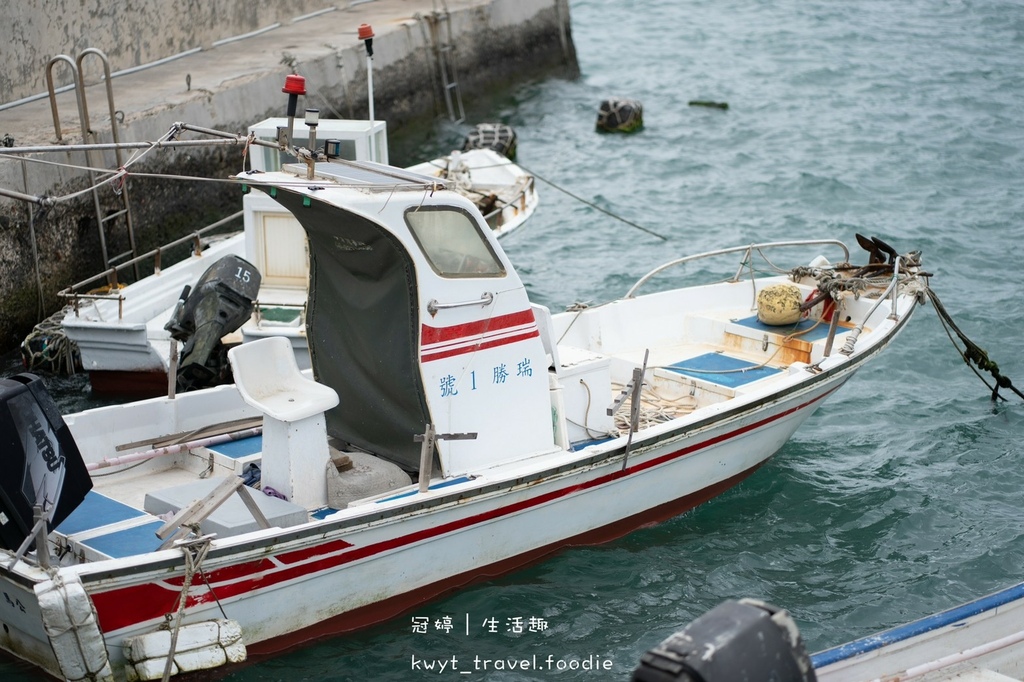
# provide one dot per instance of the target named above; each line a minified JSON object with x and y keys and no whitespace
{"x":376,"y":570}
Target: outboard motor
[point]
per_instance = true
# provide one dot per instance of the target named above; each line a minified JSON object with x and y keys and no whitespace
{"x":737,"y":640}
{"x":220,"y":302}
{"x":39,"y":461}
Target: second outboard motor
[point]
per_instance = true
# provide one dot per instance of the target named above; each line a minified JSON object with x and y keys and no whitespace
{"x":39,"y":461}
{"x":737,"y":640}
{"x":219,"y":303}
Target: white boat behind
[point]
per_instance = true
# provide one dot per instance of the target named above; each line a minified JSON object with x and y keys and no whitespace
{"x":450,"y":430}
{"x":504,"y":192}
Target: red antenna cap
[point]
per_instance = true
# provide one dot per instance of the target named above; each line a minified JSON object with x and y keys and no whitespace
{"x":365,"y":31}
{"x":294,"y":85}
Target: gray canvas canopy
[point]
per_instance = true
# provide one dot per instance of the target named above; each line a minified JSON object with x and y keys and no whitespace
{"x":362,"y":327}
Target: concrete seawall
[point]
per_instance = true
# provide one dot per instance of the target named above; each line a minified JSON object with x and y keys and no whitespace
{"x":227,"y":85}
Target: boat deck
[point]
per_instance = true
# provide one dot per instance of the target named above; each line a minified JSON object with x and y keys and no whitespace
{"x":731,"y":353}
{"x":724,"y":356}
{"x":121,"y":514}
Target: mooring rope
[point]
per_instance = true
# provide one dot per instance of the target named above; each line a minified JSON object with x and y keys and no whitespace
{"x":972,"y":353}
{"x":595,"y":206}
{"x":206,"y":581}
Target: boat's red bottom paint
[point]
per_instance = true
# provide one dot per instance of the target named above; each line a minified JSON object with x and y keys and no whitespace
{"x":385,"y":610}
{"x":116,"y":383}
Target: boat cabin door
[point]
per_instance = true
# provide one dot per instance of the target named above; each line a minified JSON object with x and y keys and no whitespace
{"x":483,"y":363}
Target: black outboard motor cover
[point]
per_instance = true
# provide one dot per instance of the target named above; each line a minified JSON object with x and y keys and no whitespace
{"x":746,"y":640}
{"x":219,"y":303}
{"x":39,"y":460}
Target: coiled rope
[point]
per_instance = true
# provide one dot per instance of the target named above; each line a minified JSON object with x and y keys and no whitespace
{"x":654,"y":408}
{"x":47,"y":347}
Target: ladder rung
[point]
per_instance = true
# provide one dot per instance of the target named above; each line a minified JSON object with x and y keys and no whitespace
{"x":113,"y":216}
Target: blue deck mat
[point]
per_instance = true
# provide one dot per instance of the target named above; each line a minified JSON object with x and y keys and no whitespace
{"x":715,"y":367}
{"x":442,"y":484}
{"x":127,"y":542}
{"x":239,"y":448}
{"x":580,"y":444}
{"x":97,"y":510}
{"x":816,"y":334}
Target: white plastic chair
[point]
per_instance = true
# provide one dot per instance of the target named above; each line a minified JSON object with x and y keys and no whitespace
{"x":295,"y":452}
{"x":268,"y":377}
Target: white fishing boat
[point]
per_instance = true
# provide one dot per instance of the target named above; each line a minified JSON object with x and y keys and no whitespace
{"x":121,"y":331}
{"x":448,"y":431}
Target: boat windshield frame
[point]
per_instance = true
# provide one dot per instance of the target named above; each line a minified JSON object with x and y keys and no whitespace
{"x":453,"y":243}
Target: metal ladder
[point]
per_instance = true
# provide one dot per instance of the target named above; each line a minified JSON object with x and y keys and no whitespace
{"x":90,"y":137}
{"x":444,"y":49}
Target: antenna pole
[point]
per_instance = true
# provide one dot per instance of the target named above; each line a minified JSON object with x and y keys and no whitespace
{"x":366,"y":35}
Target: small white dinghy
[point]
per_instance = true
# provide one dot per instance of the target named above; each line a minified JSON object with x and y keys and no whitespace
{"x":505,"y":194}
{"x":449,"y":430}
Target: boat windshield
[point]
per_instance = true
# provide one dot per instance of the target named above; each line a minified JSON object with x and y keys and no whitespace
{"x":452,"y":242}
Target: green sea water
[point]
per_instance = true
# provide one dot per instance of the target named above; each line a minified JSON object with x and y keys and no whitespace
{"x":903,"y":494}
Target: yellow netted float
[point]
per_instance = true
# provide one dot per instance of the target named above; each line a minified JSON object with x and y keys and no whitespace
{"x":779,"y":305}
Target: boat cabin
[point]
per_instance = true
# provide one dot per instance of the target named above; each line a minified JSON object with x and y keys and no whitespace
{"x":415,"y":317}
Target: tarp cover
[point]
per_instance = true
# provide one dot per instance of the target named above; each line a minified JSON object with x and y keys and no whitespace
{"x":362,"y":324}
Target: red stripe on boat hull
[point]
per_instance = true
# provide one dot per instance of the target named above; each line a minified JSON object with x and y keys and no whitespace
{"x":482,"y":345}
{"x":123,"y":607}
